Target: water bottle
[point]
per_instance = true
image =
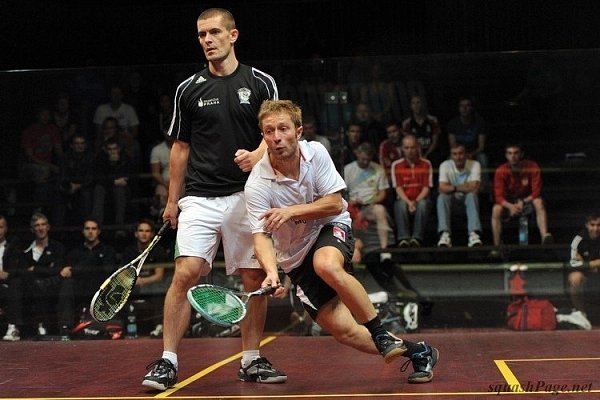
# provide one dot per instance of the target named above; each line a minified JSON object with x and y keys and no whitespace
{"x":131,"y":323}
{"x":523,"y":230}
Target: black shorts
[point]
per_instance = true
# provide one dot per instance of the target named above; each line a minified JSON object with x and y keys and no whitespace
{"x":315,"y":289}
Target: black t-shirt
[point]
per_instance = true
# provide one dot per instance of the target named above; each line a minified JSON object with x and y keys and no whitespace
{"x":587,"y":248}
{"x":218,"y":115}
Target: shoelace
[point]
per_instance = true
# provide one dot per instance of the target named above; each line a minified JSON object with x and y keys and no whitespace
{"x":163,"y":366}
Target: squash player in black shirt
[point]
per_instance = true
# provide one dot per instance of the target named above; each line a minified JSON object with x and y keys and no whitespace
{"x":217,"y":141}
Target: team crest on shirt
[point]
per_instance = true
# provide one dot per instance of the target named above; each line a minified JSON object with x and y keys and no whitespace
{"x":244,"y":95}
{"x":339,"y":233}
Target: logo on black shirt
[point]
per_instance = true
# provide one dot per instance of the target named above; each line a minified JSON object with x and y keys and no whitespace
{"x":244,"y":95}
{"x":209,"y":102}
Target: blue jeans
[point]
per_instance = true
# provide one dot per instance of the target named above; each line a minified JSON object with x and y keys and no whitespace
{"x":444,"y":206}
{"x":402,"y":217}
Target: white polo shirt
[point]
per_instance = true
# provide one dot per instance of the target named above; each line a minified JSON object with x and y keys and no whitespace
{"x":266,"y":189}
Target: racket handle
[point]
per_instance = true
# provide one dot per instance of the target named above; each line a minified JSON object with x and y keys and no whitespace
{"x":162,"y":229}
{"x":267,"y":290}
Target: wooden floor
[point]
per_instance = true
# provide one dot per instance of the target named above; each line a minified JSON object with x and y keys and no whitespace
{"x":472,"y":364}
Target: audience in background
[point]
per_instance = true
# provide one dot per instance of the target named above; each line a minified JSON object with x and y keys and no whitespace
{"x":585,"y":264}
{"x":47,"y":283}
{"x":518,"y":191}
{"x":159,"y":168}
{"x":75,"y":183}
{"x":125,"y":114}
{"x":10,"y":282}
{"x":412,"y":179}
{"x":311,"y":132}
{"x":390,"y":149}
{"x":459,"y":182}
{"x":469,"y":129}
{"x":112,"y":178}
{"x":91,"y":262}
{"x":42,"y":151}
{"x":425,"y":128}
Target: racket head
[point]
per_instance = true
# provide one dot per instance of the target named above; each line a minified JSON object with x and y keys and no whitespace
{"x":113,"y":293}
{"x":219,"y":305}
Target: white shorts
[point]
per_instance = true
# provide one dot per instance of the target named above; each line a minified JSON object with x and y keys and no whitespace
{"x":204,"y":221}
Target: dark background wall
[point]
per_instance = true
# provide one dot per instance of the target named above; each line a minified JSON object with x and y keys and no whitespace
{"x":55,"y":34}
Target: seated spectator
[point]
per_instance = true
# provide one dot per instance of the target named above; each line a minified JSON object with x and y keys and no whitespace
{"x":42,"y":151}
{"x":412,"y":178}
{"x":10,"y":282}
{"x":113,"y":171}
{"x":125,"y":114}
{"x":65,"y":119}
{"x":151,"y":282}
{"x":390,"y":149}
{"x":367,"y":188}
{"x":159,"y":167}
{"x":425,"y":128}
{"x":469,"y":129}
{"x":518,"y":190}
{"x":110,"y":129}
{"x":47,"y":279}
{"x":372,"y":130}
{"x":585,"y":263}
{"x":310,"y":133}
{"x":91,"y":263}
{"x":75,"y":183}
{"x":344,"y":153}
{"x":459,"y":183}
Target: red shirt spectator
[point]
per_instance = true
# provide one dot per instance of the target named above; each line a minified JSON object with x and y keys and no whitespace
{"x":518,"y":183}
{"x":412,"y":178}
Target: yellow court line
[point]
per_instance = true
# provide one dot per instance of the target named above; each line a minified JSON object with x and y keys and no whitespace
{"x":508,"y":375}
{"x":208,"y":370}
{"x":554,"y":359}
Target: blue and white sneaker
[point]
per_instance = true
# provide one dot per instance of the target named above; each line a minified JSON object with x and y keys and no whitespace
{"x":423,"y":364}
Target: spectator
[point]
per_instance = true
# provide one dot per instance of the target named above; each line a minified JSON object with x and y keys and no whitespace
{"x":459,"y":182}
{"x":469,"y":129}
{"x":159,"y":167}
{"x":310,"y":133}
{"x":412,"y":178}
{"x":379,"y":94}
{"x":585,"y":263}
{"x":113,"y":171}
{"x":43,"y":151}
{"x":372,"y":130}
{"x":345,"y":153}
{"x":390,"y":149}
{"x":91,"y":263}
{"x":165,"y":113}
{"x":151,"y":282}
{"x":425,"y":128}
{"x":125,"y":114}
{"x":10,"y":282}
{"x":64,"y":119}
{"x":367,"y":188}
{"x":110,"y":129}
{"x":75,"y":183}
{"x":47,"y":278}
{"x":518,"y":189}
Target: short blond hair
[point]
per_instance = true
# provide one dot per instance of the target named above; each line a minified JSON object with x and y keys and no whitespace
{"x":280,"y":106}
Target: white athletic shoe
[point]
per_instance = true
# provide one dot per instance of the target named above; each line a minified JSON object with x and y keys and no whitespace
{"x":41,"y":330}
{"x":474,"y":239}
{"x":12,"y":334}
{"x":445,"y":240}
{"x":576,"y":318}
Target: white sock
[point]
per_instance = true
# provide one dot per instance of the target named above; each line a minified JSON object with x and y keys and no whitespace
{"x":171,"y":357}
{"x":248,"y":356}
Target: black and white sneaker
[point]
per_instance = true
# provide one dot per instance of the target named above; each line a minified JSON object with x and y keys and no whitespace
{"x":161,"y":375}
{"x":423,"y":364}
{"x":261,"y":371}
{"x":389,"y":346}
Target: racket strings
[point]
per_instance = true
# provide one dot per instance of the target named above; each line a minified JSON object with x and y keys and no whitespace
{"x":113,"y":296}
{"x":221,"y":306}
